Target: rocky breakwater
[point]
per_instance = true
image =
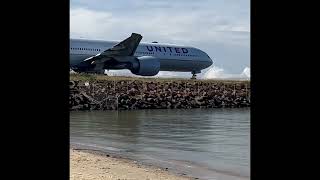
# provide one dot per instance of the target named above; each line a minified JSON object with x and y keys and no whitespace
{"x":156,"y":94}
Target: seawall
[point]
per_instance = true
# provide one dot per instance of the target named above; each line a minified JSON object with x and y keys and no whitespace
{"x":92,"y":92}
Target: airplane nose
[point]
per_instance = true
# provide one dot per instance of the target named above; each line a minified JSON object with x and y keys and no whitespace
{"x":209,"y":60}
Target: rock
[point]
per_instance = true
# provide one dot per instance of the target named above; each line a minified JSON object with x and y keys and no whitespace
{"x":109,"y":95}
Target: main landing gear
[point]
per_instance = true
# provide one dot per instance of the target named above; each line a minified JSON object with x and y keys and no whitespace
{"x":100,"y":72}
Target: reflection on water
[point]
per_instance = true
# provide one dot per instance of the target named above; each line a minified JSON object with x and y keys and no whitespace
{"x":193,"y":141}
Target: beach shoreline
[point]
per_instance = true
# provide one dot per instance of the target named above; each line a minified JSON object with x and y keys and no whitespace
{"x":92,"y":164}
{"x":88,"y":163}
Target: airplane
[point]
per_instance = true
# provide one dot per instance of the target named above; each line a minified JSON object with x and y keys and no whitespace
{"x":144,"y":59}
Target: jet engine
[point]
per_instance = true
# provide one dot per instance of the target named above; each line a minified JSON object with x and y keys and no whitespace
{"x":146,"y":66}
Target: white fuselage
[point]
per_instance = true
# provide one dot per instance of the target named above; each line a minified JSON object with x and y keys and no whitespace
{"x":172,"y":57}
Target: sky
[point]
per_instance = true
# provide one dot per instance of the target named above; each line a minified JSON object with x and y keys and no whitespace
{"x":221,"y":28}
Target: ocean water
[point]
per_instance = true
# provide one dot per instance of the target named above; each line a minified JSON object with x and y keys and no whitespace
{"x":203,"y":143}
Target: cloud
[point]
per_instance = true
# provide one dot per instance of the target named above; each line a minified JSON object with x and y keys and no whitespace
{"x":211,"y":73}
{"x":175,"y":26}
{"x":246,"y":72}
{"x":219,"y":73}
{"x":220,"y":28}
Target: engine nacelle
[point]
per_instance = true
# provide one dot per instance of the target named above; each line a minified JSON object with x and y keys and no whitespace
{"x":146,"y":66}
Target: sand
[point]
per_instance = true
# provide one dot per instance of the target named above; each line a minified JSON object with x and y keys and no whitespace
{"x":89,"y":165}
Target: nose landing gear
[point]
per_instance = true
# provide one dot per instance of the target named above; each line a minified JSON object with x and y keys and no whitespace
{"x":194,"y":76}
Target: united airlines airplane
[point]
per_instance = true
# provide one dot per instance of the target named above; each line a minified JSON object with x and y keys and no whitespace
{"x":144,"y":59}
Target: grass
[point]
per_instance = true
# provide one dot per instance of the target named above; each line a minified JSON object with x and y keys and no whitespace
{"x":97,"y":77}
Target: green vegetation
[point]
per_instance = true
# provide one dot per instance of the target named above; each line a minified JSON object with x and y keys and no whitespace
{"x":97,"y":77}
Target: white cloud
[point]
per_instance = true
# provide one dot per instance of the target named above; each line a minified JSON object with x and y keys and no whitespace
{"x":221,"y":28}
{"x":160,"y":26}
{"x":219,"y":73}
{"x":214,"y":72}
{"x":211,"y":73}
{"x":90,"y":24}
{"x":246,"y":72}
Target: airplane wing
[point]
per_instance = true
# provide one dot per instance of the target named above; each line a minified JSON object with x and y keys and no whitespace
{"x":126,"y":47}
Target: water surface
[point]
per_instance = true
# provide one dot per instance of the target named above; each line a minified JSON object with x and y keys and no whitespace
{"x":204,"y":143}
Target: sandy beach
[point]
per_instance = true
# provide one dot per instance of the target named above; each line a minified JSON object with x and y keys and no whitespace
{"x":91,"y":165}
